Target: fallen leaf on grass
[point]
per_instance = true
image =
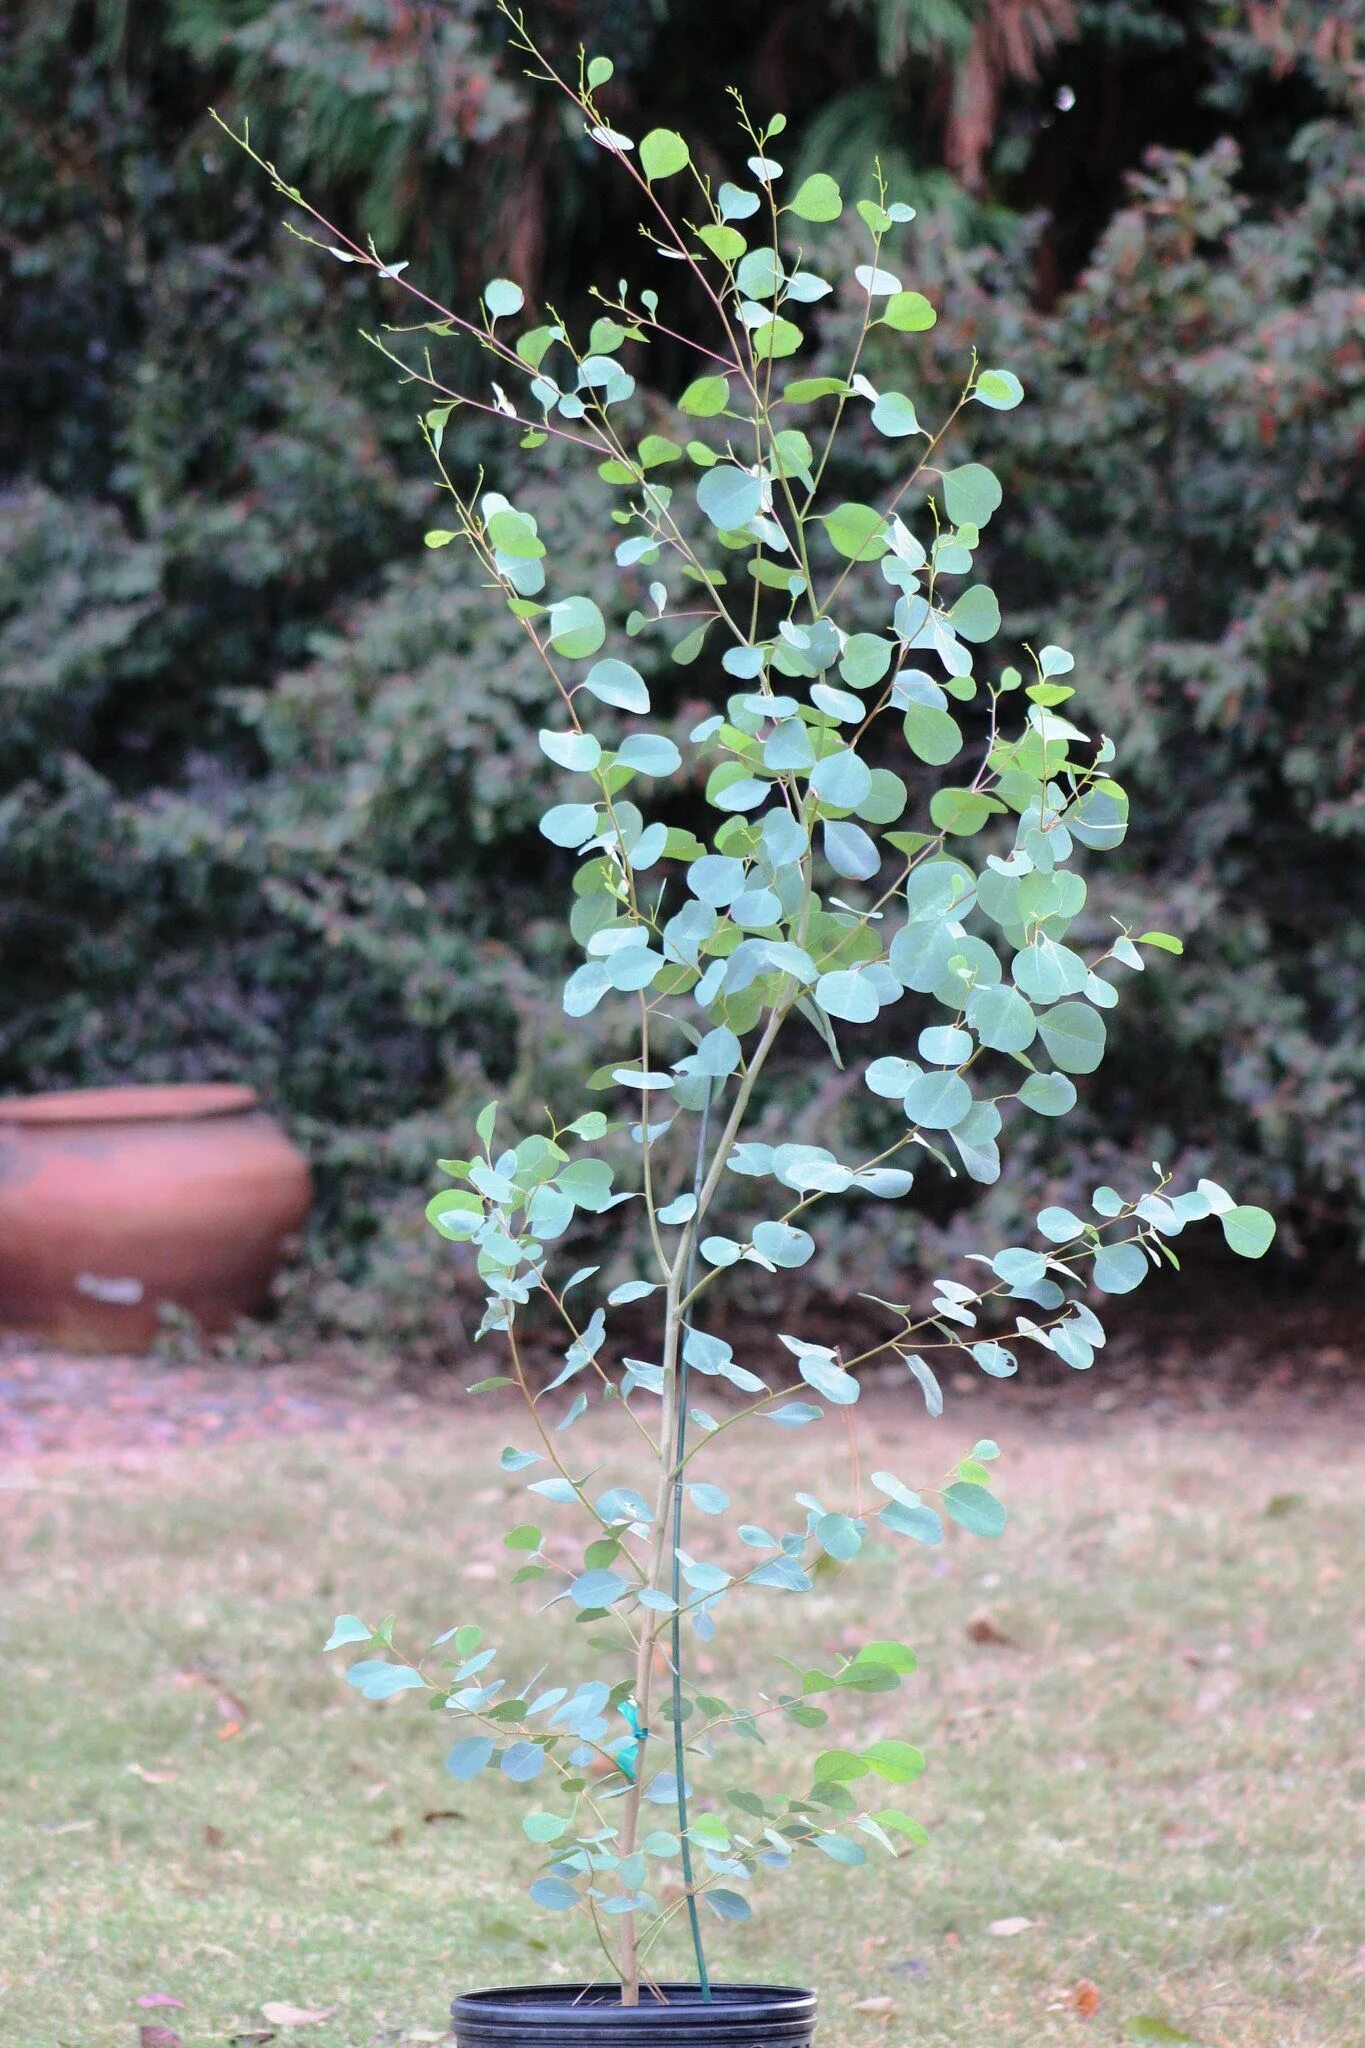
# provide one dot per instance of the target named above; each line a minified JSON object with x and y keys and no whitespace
{"x":1085,"y":1999}
{"x":984,"y":1628}
{"x":882,"y":2007}
{"x":152,"y":1777}
{"x":252,"y":2039}
{"x":214,"y":1838}
{"x":1149,"y":2027}
{"x":1014,"y":1924}
{"x":295,"y":2015}
{"x":162,"y":1998}
{"x":158,"y":2037}
{"x":442,"y":1813}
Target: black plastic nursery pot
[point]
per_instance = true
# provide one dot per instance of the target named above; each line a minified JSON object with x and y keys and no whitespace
{"x":677,"y":2016}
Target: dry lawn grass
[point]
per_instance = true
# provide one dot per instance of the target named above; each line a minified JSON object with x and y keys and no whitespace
{"x":1139,"y":1712}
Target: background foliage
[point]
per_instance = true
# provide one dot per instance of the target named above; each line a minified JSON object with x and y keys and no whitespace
{"x":267,"y":770}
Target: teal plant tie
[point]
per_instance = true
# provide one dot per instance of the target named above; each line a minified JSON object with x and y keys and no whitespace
{"x":627,"y":1753}
{"x":679,"y":1451}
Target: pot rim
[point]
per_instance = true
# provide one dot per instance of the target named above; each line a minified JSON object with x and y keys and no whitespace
{"x":598,"y":2004}
{"x":172,"y":1102}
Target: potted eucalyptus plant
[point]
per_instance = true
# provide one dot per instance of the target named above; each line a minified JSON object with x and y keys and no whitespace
{"x":838,"y":637}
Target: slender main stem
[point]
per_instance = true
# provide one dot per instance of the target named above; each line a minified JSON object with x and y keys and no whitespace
{"x":679,"y":1462}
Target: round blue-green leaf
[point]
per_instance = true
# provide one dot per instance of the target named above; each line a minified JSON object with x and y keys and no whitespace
{"x":1074,"y":1036}
{"x":471,"y":1756}
{"x":569,"y":824}
{"x":597,"y":1589}
{"x":1048,"y":1094}
{"x":838,"y":1536}
{"x":728,"y":1905}
{"x":729,"y":496}
{"x":1059,"y":1226}
{"x":1249,"y":1231}
{"x":976,"y":615}
{"x":937,"y":1101}
{"x":971,"y":494}
{"x":579,"y":751}
{"x":522,"y":1761}
{"x":1119,"y":1268}
{"x":895,"y":416}
{"x":916,"y":1521}
{"x":829,"y":1379}
{"x":616,"y":682}
{"x":974,"y":1508}
{"x":865,"y":659}
{"x":1002,"y":1020}
{"x":999,"y":389}
{"x":708,"y":1500}
{"x":849,"y":850}
{"x":944,"y":1045}
{"x":556,"y":1894}
{"x":503,"y":298}
{"x":577,"y":628}
{"x":649,"y":753}
{"x":848,"y":995}
{"x":782,"y":1244}
{"x":841,"y":778}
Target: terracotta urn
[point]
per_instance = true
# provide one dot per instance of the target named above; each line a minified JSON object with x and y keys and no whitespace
{"x":115,"y":1201}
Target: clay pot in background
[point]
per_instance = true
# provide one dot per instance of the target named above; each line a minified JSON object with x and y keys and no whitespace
{"x":114,"y":1201}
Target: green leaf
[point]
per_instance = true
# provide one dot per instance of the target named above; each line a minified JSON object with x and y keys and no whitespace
{"x":961,"y":811}
{"x":807,"y":389}
{"x":891,"y":1656}
{"x":726,"y":243}
{"x":999,"y":389}
{"x":663,"y":153}
{"x":898,"y":1762}
{"x":525,"y":1537}
{"x":544,"y":1827}
{"x":856,"y":531}
{"x":439,"y":537}
{"x":577,"y":628}
{"x":932,"y":734}
{"x":839,"y":1767}
{"x":816,"y":198}
{"x":974,"y":1508}
{"x":1249,"y":1231}
{"x":704,"y":398}
{"x":776,"y":339}
{"x":600,"y":70}
{"x":908,"y":313}
{"x":1163,"y":941}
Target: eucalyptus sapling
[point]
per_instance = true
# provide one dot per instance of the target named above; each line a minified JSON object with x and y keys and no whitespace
{"x":839,"y":636}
